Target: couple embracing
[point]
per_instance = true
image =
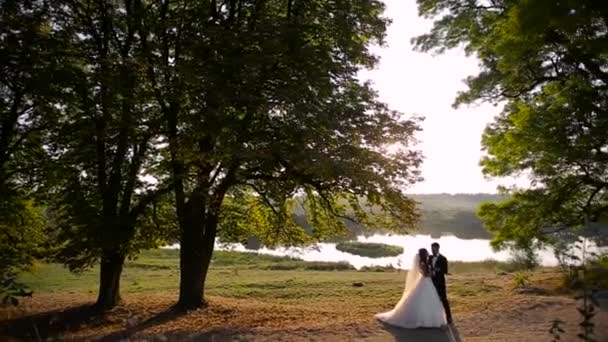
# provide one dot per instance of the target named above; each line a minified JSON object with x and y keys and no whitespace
{"x":424,"y":302}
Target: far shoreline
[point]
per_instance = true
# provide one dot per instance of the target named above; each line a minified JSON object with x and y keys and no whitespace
{"x":454,"y":248}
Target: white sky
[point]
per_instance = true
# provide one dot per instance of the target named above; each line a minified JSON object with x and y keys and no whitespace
{"x":418,"y":83}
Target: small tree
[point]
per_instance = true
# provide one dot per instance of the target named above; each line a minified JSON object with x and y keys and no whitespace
{"x":21,"y":242}
{"x":524,"y":256}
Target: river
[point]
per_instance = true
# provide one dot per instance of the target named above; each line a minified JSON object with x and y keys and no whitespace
{"x":453,"y":248}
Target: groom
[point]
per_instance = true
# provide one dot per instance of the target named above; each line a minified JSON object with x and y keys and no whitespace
{"x":439,"y":268}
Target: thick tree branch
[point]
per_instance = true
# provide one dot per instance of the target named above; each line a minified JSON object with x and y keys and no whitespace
{"x":555,"y":230}
{"x":16,"y":145}
{"x":170,"y":111}
{"x":134,"y":168}
{"x":332,"y":210}
{"x":264,"y":197}
{"x":7,"y":126}
{"x":516,"y":93}
{"x":147,"y":199}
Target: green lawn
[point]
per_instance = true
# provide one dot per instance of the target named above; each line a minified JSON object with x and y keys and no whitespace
{"x":240,"y":275}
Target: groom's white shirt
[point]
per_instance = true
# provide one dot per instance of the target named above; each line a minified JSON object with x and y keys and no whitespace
{"x":434,"y":260}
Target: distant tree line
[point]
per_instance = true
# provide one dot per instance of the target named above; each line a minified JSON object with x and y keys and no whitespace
{"x":441,"y":214}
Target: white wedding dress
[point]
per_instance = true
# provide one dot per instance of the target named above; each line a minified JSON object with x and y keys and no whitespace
{"x":420,"y":306}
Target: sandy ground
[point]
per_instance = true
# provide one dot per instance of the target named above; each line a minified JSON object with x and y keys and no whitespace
{"x":148,"y":317}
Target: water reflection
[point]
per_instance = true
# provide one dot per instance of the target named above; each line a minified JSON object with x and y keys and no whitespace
{"x":455,"y":249}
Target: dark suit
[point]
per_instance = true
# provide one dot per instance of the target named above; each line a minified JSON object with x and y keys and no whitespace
{"x":438,"y":272}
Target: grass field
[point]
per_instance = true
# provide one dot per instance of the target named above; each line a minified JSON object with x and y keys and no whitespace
{"x":258,"y":297}
{"x":231,"y":273}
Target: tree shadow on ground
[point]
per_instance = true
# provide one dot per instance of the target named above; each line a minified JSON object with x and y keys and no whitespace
{"x":540,"y":291}
{"x":446,"y":334}
{"x":51,"y":323}
{"x":167,"y":315}
{"x":214,"y":335}
{"x":601,"y":297}
{"x":56,"y":323}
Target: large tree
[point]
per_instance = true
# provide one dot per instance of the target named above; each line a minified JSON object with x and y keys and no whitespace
{"x":30,"y":69}
{"x":547,"y":62}
{"x":261,"y":103}
{"x":106,"y":145}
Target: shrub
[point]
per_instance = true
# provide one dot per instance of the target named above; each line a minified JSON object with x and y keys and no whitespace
{"x":521,"y":280}
{"x":312,"y":266}
{"x":523,"y":259}
{"x":593,"y":274}
{"x":389,"y":268}
{"x":22,"y":241}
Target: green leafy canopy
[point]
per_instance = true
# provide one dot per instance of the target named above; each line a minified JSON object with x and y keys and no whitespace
{"x":267,"y":111}
{"x":546,"y":62}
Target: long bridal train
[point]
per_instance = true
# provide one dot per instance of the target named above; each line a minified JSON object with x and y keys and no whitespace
{"x":420,"y":306}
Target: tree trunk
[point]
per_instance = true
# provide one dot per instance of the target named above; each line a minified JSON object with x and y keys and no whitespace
{"x":109,"y":280}
{"x":196,"y":249}
{"x":192,"y":273}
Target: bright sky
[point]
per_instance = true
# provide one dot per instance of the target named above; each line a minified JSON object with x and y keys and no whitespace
{"x":418,"y":83}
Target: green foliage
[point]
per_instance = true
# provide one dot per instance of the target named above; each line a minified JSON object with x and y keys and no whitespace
{"x":21,"y":232}
{"x":389,"y":268}
{"x":313,"y":266}
{"x":515,"y":220}
{"x":440,"y":214}
{"x":594,"y":274}
{"x":11,"y":289}
{"x":22,"y":239}
{"x":270,"y":262}
{"x":30,"y":74}
{"x":288,"y":118}
{"x":597,"y":274}
{"x":368,"y":249}
{"x":453,"y":214}
{"x":262,"y":104}
{"x":244,"y":215}
{"x":521,"y":280}
{"x":584,"y":275}
{"x":106,"y":144}
{"x":28,"y":87}
{"x":236,"y":107}
{"x":546,"y":61}
{"x":524,"y":257}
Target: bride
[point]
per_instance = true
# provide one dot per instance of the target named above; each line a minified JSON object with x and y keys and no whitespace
{"x":420,"y":306}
